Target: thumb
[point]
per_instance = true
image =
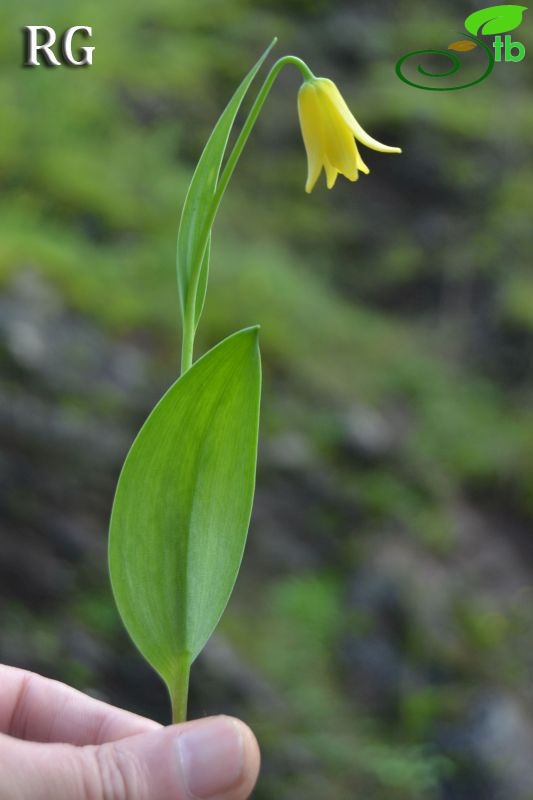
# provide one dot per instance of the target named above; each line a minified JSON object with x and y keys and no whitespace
{"x":215,"y":758}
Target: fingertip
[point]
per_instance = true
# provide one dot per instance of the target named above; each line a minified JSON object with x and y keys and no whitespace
{"x":218,"y":758}
{"x":251,"y":762}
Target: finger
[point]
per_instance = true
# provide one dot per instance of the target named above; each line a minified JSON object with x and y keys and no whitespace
{"x":214,"y":758}
{"x":43,"y":710}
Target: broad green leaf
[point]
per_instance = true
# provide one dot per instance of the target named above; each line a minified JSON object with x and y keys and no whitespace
{"x":496,"y":19}
{"x":192,"y":238}
{"x":183,"y":503}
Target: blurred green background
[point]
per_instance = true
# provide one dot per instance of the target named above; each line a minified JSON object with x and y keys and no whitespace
{"x":378,"y":640}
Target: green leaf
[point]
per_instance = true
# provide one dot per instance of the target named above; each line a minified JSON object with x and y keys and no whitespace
{"x":192,"y":236}
{"x":183,"y":504}
{"x":496,"y":19}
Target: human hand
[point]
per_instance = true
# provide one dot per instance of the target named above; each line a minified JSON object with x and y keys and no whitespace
{"x":59,"y":744}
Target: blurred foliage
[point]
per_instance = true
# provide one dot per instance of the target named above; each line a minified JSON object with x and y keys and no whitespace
{"x":409,"y":293}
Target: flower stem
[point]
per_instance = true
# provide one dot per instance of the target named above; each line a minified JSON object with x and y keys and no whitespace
{"x":189,"y":327}
{"x":179,"y":690}
{"x":187,"y":342}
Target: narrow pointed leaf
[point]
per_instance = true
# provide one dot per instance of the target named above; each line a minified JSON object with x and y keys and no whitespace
{"x":192,"y":238}
{"x":183,"y":503}
{"x":496,"y":19}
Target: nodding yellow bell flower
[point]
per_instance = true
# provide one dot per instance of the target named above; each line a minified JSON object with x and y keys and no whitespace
{"x":330,"y":131}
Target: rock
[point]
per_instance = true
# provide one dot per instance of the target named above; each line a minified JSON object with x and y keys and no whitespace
{"x":367,"y":435}
{"x":371,"y":651}
{"x":492,"y":746}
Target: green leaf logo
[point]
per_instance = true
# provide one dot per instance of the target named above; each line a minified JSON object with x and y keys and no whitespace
{"x":496,"y":19}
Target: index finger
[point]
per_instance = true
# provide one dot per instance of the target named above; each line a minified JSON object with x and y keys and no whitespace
{"x":43,"y":710}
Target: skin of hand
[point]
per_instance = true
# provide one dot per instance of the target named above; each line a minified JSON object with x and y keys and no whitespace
{"x":59,"y":744}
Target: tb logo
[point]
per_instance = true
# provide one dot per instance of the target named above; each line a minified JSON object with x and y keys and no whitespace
{"x":40,"y":39}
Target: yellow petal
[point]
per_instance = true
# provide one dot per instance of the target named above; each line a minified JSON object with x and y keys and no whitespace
{"x":331,"y":174}
{"x":312,"y":132}
{"x":329,"y":89}
{"x":338,"y":140}
{"x":360,"y":163}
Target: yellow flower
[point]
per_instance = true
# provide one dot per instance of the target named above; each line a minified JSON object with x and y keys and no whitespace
{"x":329,"y":131}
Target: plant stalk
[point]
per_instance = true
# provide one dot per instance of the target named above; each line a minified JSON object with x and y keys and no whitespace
{"x":179,"y":690}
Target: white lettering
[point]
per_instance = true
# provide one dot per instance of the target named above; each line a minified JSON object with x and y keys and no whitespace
{"x":32,"y":46}
{"x":66,"y":46}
